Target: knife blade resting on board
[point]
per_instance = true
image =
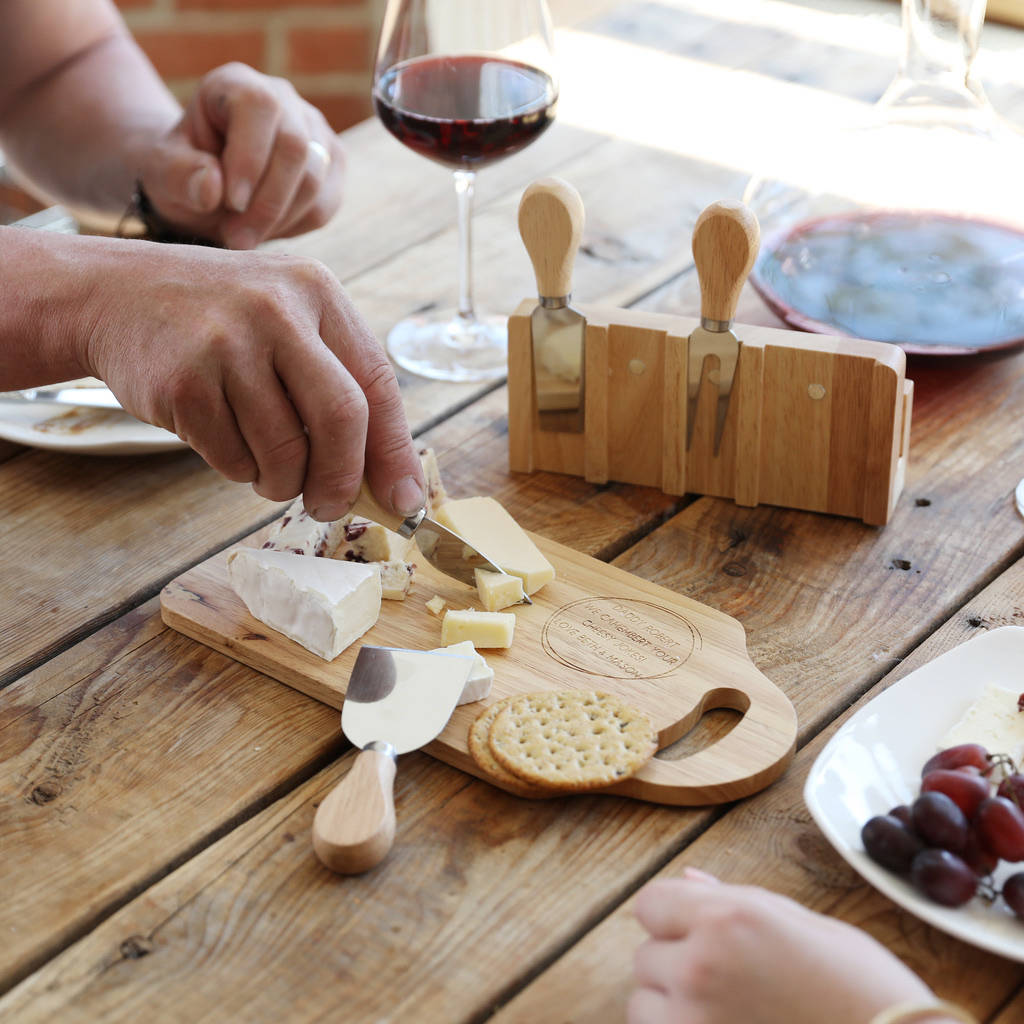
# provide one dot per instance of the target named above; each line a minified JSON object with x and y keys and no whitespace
{"x":446,"y":551}
{"x":725,"y":242}
{"x":396,"y":701}
{"x":551,"y":223}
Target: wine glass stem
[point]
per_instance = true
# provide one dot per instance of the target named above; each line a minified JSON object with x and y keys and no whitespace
{"x":941,"y":39}
{"x":464,"y":181}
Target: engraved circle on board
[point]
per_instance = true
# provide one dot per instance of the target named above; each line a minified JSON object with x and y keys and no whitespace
{"x":619,"y":638}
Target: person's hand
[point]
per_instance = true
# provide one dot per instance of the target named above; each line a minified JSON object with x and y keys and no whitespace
{"x":721,"y":954}
{"x":249,"y":160}
{"x":258,"y":361}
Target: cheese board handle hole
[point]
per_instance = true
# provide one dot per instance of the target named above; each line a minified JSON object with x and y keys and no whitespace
{"x":713,"y":725}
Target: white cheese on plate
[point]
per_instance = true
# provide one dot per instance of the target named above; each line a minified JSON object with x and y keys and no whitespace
{"x":484,"y":523}
{"x":482,"y":629}
{"x":320,"y":603}
{"x":993,"y":721}
{"x":478,"y":685}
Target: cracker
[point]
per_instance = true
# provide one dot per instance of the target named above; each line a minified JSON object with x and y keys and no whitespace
{"x":574,"y":739}
{"x":480,"y":751}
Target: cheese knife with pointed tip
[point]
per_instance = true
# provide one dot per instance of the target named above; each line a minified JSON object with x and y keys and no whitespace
{"x":551,"y":223}
{"x":445,"y":550}
{"x":396,"y":701}
{"x":725,"y":241}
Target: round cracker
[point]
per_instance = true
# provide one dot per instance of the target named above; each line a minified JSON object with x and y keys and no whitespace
{"x":574,"y":739}
{"x":480,"y":751}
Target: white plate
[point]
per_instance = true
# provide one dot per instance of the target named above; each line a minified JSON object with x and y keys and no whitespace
{"x":78,"y":429}
{"x":874,"y":763}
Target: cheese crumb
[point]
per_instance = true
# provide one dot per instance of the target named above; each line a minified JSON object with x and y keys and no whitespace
{"x":436,"y":605}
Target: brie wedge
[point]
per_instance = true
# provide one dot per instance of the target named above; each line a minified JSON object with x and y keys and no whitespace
{"x":320,"y":603}
{"x":481,"y":676}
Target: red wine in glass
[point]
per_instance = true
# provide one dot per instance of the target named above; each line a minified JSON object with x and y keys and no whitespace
{"x":465,"y":111}
{"x":932,"y":283}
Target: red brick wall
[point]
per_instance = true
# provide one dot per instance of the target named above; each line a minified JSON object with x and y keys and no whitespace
{"x":325,"y":47}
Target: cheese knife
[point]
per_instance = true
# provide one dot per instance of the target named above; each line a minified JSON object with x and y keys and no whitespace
{"x":442,"y":548}
{"x":551,"y":223}
{"x":396,"y":701}
{"x":725,"y":241}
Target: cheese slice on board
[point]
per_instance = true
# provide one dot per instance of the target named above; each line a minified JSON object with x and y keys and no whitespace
{"x":498,"y":590}
{"x":320,"y":603}
{"x":484,"y":523}
{"x":482,"y":629}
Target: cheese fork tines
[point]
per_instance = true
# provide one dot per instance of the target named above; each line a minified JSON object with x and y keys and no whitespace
{"x":443,"y":548}
{"x":725,"y":242}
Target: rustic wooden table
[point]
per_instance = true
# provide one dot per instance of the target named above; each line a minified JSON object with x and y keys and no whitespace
{"x":156,"y":797}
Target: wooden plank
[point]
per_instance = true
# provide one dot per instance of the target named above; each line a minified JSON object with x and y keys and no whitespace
{"x":87,"y":537}
{"x":591,"y":982}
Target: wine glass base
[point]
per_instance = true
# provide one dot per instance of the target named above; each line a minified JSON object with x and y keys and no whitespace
{"x":446,"y":346}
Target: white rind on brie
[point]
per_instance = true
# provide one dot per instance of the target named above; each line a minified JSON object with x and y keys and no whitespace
{"x":320,"y":603}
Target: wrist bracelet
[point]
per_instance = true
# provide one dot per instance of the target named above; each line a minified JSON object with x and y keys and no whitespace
{"x":907,"y":1013}
{"x":157,"y":229}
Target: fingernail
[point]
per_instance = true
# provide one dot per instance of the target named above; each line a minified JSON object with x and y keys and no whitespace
{"x":328,"y":513}
{"x":241,"y":193}
{"x":407,"y":496}
{"x":698,"y":875}
{"x":195,"y":188}
{"x":243,"y":238}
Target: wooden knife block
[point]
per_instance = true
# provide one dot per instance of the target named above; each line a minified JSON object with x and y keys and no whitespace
{"x":815,"y":422}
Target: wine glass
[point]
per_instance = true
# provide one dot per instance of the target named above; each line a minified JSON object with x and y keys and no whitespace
{"x":464,"y":83}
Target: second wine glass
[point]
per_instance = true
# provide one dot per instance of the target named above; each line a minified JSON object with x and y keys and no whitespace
{"x":464,"y":83}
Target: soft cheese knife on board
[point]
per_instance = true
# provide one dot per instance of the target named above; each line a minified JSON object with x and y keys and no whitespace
{"x":396,"y":701}
{"x":725,"y":241}
{"x":445,"y":550}
{"x":551,"y":224}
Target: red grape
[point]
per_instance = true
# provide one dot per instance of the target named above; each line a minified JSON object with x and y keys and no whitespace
{"x":902,"y":813}
{"x":1013,"y":893}
{"x":1012,"y":787}
{"x":965,"y":789}
{"x":979,"y":858}
{"x":956,"y":757}
{"x":1000,"y":826}
{"x":939,"y":822}
{"x":943,"y":877}
{"x":889,"y":843}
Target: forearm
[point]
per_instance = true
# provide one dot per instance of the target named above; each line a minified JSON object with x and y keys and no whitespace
{"x":76,"y":121}
{"x":46,"y":280}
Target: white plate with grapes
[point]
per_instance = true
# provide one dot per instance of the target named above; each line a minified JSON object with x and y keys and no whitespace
{"x":874,"y":764}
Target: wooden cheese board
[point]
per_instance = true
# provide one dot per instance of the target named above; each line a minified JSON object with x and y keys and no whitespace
{"x":593,"y":627}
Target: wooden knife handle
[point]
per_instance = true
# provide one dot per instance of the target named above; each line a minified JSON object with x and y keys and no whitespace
{"x":725,"y":242}
{"x":551,"y":224}
{"x":369,"y":507}
{"x":354,"y":826}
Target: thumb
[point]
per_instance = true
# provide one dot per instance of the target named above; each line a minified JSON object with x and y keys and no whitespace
{"x":183,"y":180}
